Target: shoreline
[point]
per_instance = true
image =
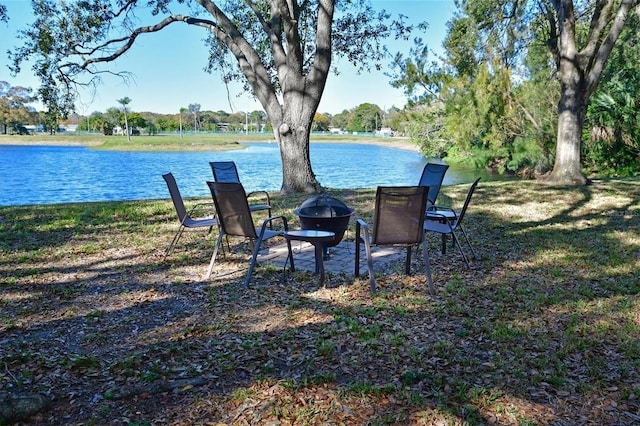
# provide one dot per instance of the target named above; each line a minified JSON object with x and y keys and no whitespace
{"x":394,"y":142}
{"x":398,"y":143}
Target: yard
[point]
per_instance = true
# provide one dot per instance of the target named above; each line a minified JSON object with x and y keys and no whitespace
{"x":95,"y":328}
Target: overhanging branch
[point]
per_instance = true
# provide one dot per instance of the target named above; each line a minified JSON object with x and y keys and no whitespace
{"x":128,"y":41}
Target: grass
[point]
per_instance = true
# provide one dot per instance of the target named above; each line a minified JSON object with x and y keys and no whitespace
{"x":543,"y":329}
{"x":173,"y":142}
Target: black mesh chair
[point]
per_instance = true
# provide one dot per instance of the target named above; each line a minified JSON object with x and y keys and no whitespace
{"x":226,"y":171}
{"x":397,"y":221}
{"x":184,"y":216}
{"x":235,"y":220}
{"x":432,"y":176}
{"x":446,"y":221}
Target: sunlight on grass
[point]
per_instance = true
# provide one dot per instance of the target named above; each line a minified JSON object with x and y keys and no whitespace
{"x":543,"y":329}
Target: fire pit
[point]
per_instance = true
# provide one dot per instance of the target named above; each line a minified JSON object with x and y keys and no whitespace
{"x":324,"y":213}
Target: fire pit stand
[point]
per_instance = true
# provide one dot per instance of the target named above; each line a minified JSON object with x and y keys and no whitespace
{"x":325,"y":213}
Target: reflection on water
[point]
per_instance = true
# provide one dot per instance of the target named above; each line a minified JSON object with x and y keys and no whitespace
{"x":57,"y":174}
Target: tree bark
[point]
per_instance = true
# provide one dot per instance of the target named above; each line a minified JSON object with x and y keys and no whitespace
{"x":292,"y":129}
{"x":567,"y":168}
{"x":579,"y":73}
{"x":297,"y":174}
{"x":293,"y":117}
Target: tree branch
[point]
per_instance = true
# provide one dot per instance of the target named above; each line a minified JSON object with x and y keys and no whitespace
{"x":598,"y":59}
{"x":322,"y":59}
{"x":599,"y":21}
{"x":248,"y":59}
{"x":130,"y":39}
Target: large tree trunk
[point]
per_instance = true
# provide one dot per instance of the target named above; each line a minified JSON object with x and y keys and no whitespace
{"x":572,"y":107}
{"x":292,"y":132}
{"x":297,"y":174}
{"x":567,"y":168}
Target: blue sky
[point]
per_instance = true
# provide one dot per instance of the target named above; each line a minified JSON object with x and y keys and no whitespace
{"x":168,"y":67}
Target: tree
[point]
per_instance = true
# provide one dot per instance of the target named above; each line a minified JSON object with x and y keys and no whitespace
{"x":365,"y":118}
{"x":112,"y":118}
{"x":256,"y":118}
{"x":611,"y":144}
{"x":15,"y":111}
{"x":462,"y":106}
{"x":136,"y":121}
{"x":321,"y":122}
{"x":182,"y":111}
{"x":281,"y":50}
{"x":341,"y":120}
{"x":124,"y":102}
{"x":420,"y":77}
{"x":580,"y":37}
{"x":194,"y":109}
{"x":571,"y":40}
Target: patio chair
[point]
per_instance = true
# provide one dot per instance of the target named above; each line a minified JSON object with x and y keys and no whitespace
{"x":235,"y":220}
{"x":397,"y":221}
{"x":184,"y":216}
{"x":226,"y":171}
{"x":432,"y":176}
{"x":446,"y":221}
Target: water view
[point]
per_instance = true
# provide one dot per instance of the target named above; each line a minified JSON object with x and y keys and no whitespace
{"x":60,"y":174}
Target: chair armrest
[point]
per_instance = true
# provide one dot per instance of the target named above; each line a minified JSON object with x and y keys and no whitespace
{"x":269,"y":221}
{"x":260,"y":194}
{"x":447,"y":216}
{"x":361,"y":224}
{"x":435,"y":207}
{"x":434,"y":215}
{"x":209,"y":206}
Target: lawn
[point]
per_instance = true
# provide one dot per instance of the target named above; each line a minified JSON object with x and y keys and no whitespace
{"x":189,"y":142}
{"x":95,"y":328}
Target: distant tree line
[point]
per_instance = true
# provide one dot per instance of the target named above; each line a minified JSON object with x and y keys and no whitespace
{"x":16,"y":113}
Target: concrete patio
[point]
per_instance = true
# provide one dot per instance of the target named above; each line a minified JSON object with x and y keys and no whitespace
{"x":341,"y":257}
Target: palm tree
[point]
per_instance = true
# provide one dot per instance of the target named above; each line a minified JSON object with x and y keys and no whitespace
{"x":124,"y":102}
{"x":182,"y":110}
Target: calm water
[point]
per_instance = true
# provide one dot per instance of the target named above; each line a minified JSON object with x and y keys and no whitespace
{"x":60,"y":174}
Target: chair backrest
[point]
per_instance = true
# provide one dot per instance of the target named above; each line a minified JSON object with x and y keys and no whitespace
{"x":432,"y":176}
{"x":467,"y":201}
{"x":399,"y":214}
{"x":231,"y":203}
{"x":178,"y":203}
{"x":225,"y":171}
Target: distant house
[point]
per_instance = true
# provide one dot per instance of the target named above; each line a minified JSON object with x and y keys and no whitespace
{"x":68,"y":128}
{"x":385,"y":132}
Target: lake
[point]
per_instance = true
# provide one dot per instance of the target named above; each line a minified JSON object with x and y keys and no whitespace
{"x":61,"y":174}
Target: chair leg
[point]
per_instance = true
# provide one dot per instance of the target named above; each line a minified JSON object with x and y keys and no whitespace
{"x":457,"y":241}
{"x":293,"y":268}
{"x":372,"y":278}
{"x":407,"y":262}
{"x":464,"y":233}
{"x":254,"y":257}
{"x":357,"y":262}
{"x":425,"y":255}
{"x":176,"y":237}
{"x":215,"y":252}
{"x":367,"y":247}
